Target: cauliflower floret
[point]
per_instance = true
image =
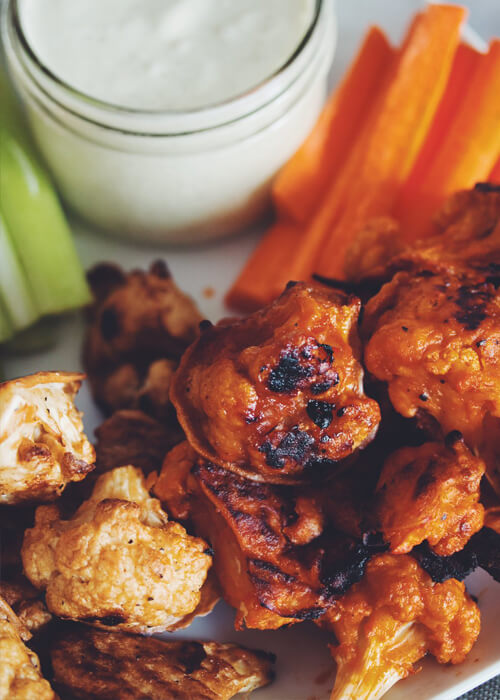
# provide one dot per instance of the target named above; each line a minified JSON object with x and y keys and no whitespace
{"x":118,"y":561}
{"x":141,"y":325}
{"x":390,"y":620}
{"x":42,"y":443}
{"x":20,"y":676}
{"x":92,"y":664}
{"x":431,"y":492}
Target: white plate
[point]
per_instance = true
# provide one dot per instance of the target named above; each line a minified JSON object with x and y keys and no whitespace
{"x":304,"y":668}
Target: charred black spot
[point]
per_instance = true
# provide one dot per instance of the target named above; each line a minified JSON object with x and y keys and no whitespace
{"x":452,"y":438}
{"x":404,"y":329}
{"x":472,"y":301}
{"x":480,"y":343}
{"x":341,"y":412}
{"x":209,"y":551}
{"x":440,"y":569}
{"x":191,"y":656}
{"x":285,"y":377}
{"x":290,"y":284}
{"x":423,"y":397}
{"x":265,"y":567}
{"x":344,"y":563}
{"x":486,"y":187}
{"x":309,"y":613}
{"x":320,"y":412}
{"x":294,"y":446}
{"x":321,"y":387}
{"x":486,"y":546}
{"x":159,"y":268}
{"x":205,"y":325}
{"x":328,"y":349}
{"x":109,"y":323}
{"x":107,"y":620}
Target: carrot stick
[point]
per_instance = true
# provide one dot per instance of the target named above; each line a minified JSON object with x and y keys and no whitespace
{"x":256,"y":283}
{"x":303,"y":180}
{"x":465,"y":64}
{"x":301,"y":265}
{"x":468,"y":152}
{"x":284,"y":253}
{"x":398,"y":131}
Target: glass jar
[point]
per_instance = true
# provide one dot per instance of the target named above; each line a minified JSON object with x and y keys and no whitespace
{"x":172,"y":176}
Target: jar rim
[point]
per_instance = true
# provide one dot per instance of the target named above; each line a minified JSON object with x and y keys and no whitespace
{"x":212,"y":114}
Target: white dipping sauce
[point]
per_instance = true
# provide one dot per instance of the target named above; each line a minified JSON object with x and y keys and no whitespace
{"x":164,"y":54}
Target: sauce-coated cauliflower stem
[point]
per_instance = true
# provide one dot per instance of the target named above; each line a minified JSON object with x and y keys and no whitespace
{"x":20,"y":676}
{"x":390,"y":620}
{"x":431,"y":493}
{"x":118,"y":561}
{"x":42,"y":443}
{"x":278,"y":396}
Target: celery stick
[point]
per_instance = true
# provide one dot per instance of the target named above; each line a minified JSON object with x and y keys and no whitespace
{"x":39,"y":231}
{"x":15,"y":292}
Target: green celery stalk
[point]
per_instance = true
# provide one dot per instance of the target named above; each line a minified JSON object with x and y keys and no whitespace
{"x":38,"y":228}
{"x":15,"y":292}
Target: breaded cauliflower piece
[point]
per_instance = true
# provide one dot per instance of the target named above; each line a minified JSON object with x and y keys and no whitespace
{"x":141,"y":324}
{"x":20,"y":677}
{"x":118,"y":561}
{"x":431,"y":493}
{"x":390,"y":620}
{"x":42,"y":443}
{"x":93,"y":664}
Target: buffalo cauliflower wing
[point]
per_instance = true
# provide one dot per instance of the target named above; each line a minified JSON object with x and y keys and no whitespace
{"x":89,"y":663}
{"x":20,"y":676}
{"x":140,"y":325}
{"x":431,"y":493}
{"x":42,"y":443}
{"x":433,"y":331}
{"x":118,"y":561}
{"x":390,"y":620}
{"x":277,"y":557}
{"x":278,"y":396}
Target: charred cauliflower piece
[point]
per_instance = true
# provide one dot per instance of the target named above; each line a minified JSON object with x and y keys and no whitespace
{"x":278,"y":559}
{"x":278,"y":396}
{"x":42,"y":443}
{"x":431,"y":493}
{"x":118,"y":561}
{"x":390,"y":620}
{"x":141,"y":324}
{"x":92,"y":664}
{"x":20,"y":676}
